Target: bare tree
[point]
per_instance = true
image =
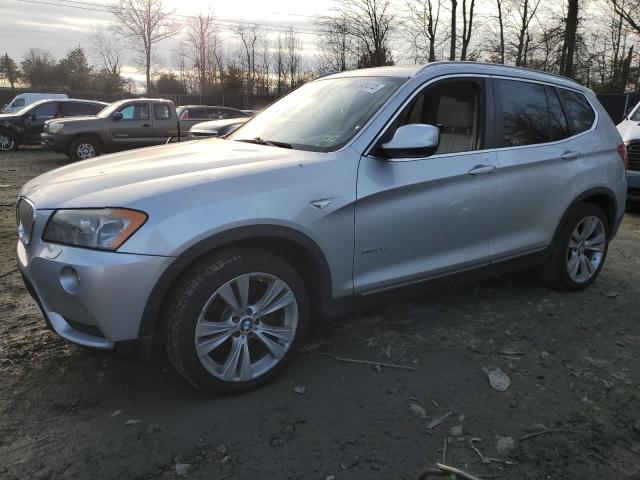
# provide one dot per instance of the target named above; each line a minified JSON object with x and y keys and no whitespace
{"x":338,"y":46}
{"x":145,"y":23}
{"x":107,"y":50}
{"x":422,"y":25}
{"x":500,"y":6}
{"x":370,"y":22}
{"x":454,"y":32}
{"x":524,"y":11}
{"x":569,"y":43}
{"x":293,"y":57}
{"x":250,"y":37}
{"x":199,"y":36}
{"x":280,"y":66}
{"x":467,"y":26}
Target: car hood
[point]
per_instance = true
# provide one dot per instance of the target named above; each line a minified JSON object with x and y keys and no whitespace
{"x":126,"y":179}
{"x":213,"y":125}
{"x":8,"y":117}
{"x":629,"y":130}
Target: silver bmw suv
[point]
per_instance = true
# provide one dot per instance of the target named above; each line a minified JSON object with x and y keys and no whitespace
{"x":355,"y":184}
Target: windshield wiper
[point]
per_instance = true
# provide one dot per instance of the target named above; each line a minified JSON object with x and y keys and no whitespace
{"x":261,"y":141}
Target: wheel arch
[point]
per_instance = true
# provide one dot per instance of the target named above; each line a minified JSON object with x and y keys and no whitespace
{"x":600,"y":196}
{"x":291,"y":245}
{"x":91,"y":135}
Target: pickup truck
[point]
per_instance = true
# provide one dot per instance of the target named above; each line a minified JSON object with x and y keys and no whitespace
{"x":122,"y":125}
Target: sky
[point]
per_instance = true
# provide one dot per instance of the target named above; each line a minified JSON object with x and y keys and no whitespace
{"x":48,"y":24}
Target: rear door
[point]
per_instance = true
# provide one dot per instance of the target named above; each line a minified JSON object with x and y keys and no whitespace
{"x":135,"y":129}
{"x":541,"y":159}
{"x":165,"y":123}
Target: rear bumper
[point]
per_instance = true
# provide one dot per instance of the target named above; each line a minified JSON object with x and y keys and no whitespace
{"x":55,"y":142}
{"x":91,"y":298}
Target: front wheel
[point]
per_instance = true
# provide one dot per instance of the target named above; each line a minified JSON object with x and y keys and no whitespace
{"x":84,"y":148}
{"x":579,"y":251}
{"x":8,"y":141}
{"x":235,"y":320}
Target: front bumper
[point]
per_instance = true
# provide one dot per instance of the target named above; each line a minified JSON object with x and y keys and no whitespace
{"x":56,"y":142}
{"x":92,"y":298}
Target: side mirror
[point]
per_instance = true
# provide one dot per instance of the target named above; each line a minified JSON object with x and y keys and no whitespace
{"x":412,"y":141}
{"x":116,"y":117}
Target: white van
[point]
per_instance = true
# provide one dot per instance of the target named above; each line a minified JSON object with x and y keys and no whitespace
{"x":25,"y":99}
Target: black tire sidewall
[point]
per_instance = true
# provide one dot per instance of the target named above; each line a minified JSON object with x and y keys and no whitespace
{"x":14,"y":137}
{"x":560,"y":256}
{"x":193,"y":292}
{"x":73,"y":148}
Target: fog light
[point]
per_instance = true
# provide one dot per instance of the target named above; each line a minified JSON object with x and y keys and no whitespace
{"x":69,"y":280}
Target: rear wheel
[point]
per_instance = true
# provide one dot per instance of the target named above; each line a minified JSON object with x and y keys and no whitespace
{"x":8,"y":141}
{"x":235,"y":320}
{"x":84,"y":148}
{"x":580,"y":249}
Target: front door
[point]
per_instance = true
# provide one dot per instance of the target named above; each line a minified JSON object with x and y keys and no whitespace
{"x":134,"y":129}
{"x":421,"y":217}
{"x":34,"y":120}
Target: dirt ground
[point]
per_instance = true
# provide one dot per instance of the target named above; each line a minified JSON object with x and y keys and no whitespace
{"x":573,"y":360}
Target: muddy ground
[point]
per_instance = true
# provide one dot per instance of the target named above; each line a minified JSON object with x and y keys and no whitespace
{"x":573,"y":359}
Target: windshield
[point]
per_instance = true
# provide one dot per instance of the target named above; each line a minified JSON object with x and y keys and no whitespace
{"x":24,"y":110}
{"x":320,"y":116}
{"x":636,"y":115}
{"x":109,"y":109}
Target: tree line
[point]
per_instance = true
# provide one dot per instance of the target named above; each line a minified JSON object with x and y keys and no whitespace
{"x":592,"y":41}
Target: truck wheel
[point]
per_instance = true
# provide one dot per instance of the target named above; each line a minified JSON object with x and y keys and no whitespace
{"x":84,"y":148}
{"x":8,"y":141}
{"x":235,"y":319}
{"x":579,"y":251}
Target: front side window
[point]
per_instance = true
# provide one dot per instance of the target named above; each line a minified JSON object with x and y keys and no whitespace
{"x":321,"y":116}
{"x":455,"y":107}
{"x":137,"y":111}
{"x":46,"y":110}
{"x":580,"y":113}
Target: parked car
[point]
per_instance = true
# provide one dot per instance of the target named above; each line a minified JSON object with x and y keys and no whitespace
{"x":215,"y":128}
{"x":24,"y":126}
{"x":24,"y":99}
{"x":353,"y":185}
{"x":630,"y":131}
{"x":190,"y":115}
{"x":122,"y":125}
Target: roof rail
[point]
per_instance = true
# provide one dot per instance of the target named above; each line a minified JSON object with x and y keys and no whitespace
{"x":500,"y":65}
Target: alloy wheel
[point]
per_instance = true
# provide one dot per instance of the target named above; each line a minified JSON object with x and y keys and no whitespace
{"x":586,"y":249}
{"x":6,"y":143}
{"x":246,"y":327}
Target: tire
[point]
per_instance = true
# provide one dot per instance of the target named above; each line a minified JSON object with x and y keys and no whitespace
{"x":84,"y":148}
{"x":560,"y":271}
{"x":239,"y":334}
{"x":8,"y":141}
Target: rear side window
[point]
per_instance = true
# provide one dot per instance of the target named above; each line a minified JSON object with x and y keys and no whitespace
{"x":137,"y":111}
{"x":197,"y":113}
{"x":531,"y":114}
{"x":580,"y":113}
{"x":70,"y":109}
{"x":558,"y":127}
{"x":161,"y":112}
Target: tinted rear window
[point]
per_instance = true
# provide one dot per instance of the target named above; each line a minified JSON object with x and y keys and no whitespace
{"x":71,"y":109}
{"x":581,"y":115}
{"x":524,"y":113}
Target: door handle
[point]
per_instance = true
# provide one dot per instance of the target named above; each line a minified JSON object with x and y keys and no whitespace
{"x":570,"y":155}
{"x":146,"y":125}
{"x":482,"y":169}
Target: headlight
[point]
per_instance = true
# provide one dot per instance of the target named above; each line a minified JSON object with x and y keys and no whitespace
{"x":55,"y":127}
{"x":103,"y":229}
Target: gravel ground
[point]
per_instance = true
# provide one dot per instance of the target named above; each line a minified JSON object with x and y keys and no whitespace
{"x":573,"y":360}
